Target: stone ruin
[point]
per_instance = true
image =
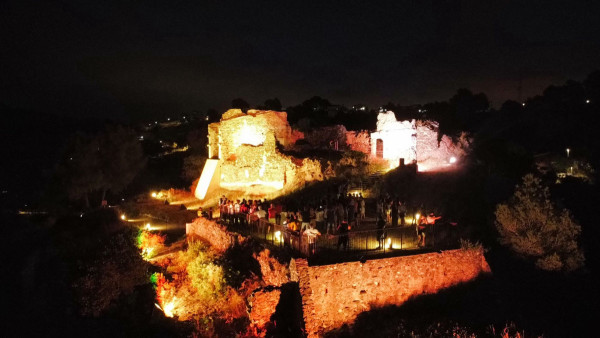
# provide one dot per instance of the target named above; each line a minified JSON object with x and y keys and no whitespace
{"x":244,"y":160}
{"x":414,"y":141}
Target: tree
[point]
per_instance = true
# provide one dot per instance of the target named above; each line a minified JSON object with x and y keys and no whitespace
{"x":79,"y":173}
{"x":108,"y":161}
{"x":114,"y":272}
{"x":534,"y":228}
{"x":120,"y":157}
{"x":273,"y":104}
{"x":239,"y":103}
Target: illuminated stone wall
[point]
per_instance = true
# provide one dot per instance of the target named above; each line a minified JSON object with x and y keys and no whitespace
{"x":262,"y":306}
{"x":237,"y":128}
{"x":359,"y":141}
{"x":214,"y":233}
{"x":256,"y":166}
{"x":415,"y":140}
{"x":434,"y":154}
{"x":333,"y":295}
{"x":250,"y":166}
{"x":399,"y":138}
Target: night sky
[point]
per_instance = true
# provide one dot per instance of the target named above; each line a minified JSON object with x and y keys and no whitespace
{"x":120,"y":60}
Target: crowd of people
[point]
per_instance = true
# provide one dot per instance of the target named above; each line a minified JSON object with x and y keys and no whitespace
{"x":334,"y":214}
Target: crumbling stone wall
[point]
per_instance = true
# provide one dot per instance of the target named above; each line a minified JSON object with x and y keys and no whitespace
{"x":250,"y":164}
{"x":333,"y":295}
{"x":256,"y":166}
{"x":259,"y":122}
{"x":214,"y":233}
{"x":359,"y":141}
{"x":273,"y":272}
{"x":262,"y":306}
{"x":434,"y":154}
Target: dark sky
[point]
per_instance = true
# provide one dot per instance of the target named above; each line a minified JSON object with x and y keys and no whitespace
{"x":94,"y":58}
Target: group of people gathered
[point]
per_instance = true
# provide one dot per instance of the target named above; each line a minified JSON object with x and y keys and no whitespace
{"x":393,"y":212}
{"x":334,"y":214}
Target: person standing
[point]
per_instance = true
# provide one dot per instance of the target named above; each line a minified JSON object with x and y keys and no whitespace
{"x":422,"y":225}
{"x":343,"y":235}
{"x":331,"y":219}
{"x":272,"y":212}
{"x":380,"y":232}
{"x":320,"y":219}
{"x":394,"y":212}
{"x":402,"y":213}
{"x":363,"y":209}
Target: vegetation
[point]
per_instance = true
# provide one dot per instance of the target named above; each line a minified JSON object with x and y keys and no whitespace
{"x":115,"y":271}
{"x":83,"y":271}
{"x":531,"y":225}
{"x":107,"y":161}
{"x":199,"y":288}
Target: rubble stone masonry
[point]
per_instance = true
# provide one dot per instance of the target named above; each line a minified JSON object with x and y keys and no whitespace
{"x":333,"y":295}
{"x":217,"y":235}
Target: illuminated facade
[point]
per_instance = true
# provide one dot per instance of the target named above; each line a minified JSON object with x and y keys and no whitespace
{"x":243,"y":156}
{"x":394,"y":139}
{"x":414,"y":141}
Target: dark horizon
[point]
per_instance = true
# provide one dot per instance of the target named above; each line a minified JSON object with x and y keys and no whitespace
{"x":131,"y":62}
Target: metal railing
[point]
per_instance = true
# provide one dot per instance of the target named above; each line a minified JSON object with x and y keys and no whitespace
{"x":355,"y":242}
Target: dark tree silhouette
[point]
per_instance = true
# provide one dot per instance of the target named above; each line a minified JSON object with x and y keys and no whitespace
{"x":239,"y":103}
{"x":109,"y":161}
{"x":273,"y":104}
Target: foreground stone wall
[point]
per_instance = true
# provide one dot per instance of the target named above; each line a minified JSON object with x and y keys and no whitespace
{"x":272,"y":271}
{"x":262,"y":306}
{"x":217,"y":235}
{"x":333,"y":295}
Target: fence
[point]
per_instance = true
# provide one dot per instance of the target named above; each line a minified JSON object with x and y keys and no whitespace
{"x":362,"y":242}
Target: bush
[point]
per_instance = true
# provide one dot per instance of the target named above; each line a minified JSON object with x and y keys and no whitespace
{"x":116,"y":270}
{"x":466,"y":244}
{"x":534,"y":228}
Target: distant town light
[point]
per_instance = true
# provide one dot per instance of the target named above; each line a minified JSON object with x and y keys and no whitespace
{"x":587,"y":101}
{"x":123,"y":217}
{"x":452,"y":160}
{"x":523,"y":104}
{"x":568,"y":151}
{"x":154,"y":195}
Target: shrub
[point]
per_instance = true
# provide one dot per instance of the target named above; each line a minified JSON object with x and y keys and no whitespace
{"x":534,"y":228}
